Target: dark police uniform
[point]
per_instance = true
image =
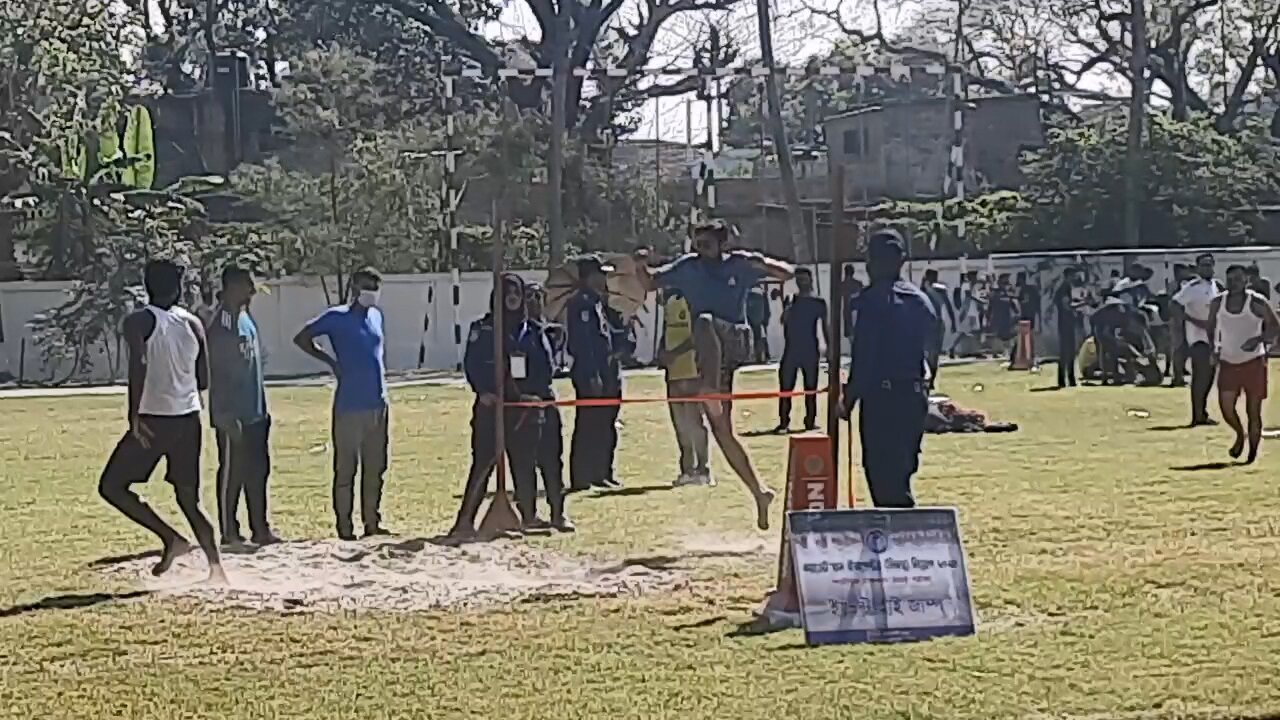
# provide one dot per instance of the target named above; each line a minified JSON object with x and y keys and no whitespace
{"x":889,"y":381}
{"x":526,"y":345}
{"x":551,"y":446}
{"x":595,"y":374}
{"x":800,"y":322}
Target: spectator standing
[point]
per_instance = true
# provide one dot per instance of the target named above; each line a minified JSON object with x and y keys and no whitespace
{"x":361,"y":413}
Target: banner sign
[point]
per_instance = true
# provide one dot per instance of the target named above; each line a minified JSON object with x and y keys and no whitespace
{"x":880,"y":575}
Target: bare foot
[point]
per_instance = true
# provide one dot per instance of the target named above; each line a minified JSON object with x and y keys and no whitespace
{"x":1237,"y":449}
{"x":217,"y":576}
{"x":173,"y":550}
{"x":763,"y":501}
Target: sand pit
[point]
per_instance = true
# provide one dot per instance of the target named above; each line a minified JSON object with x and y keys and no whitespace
{"x":408,"y":575}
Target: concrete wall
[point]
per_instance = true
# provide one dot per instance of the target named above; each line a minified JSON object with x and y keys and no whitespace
{"x":409,"y":300}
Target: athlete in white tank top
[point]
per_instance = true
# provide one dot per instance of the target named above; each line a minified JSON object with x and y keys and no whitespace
{"x":1236,"y":330}
{"x":171,"y":388}
{"x":1241,"y":325}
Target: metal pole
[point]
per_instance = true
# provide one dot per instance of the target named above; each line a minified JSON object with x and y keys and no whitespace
{"x":1137,"y":104}
{"x":836,"y":330}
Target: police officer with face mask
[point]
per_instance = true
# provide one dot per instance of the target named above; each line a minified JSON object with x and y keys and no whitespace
{"x":528,"y":375}
{"x":596,"y":374}
{"x":889,"y":373}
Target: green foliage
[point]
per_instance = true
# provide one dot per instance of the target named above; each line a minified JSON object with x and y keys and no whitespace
{"x":1201,"y":187}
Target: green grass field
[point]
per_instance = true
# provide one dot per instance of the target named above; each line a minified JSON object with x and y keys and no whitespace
{"x":1110,"y":581}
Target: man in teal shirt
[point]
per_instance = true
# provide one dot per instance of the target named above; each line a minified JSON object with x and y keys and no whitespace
{"x":238,"y":406}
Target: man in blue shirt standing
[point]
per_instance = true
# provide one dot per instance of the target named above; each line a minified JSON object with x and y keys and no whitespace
{"x":594,"y":344}
{"x":238,"y":408}
{"x":889,"y":373}
{"x":715,"y":282}
{"x":360,"y":413}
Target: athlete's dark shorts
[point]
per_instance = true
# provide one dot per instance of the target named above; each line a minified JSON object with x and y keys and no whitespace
{"x":176,"y":439}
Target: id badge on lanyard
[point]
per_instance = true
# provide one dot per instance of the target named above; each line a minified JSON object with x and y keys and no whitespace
{"x":519,"y":366}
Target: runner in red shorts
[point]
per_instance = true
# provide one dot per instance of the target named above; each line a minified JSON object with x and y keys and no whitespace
{"x":1242,"y":325}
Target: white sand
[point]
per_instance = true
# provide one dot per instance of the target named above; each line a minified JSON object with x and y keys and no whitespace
{"x":335,"y":576}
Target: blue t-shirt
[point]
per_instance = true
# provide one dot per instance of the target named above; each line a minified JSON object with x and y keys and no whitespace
{"x":235,"y":363}
{"x":719,"y":288}
{"x":357,"y":342}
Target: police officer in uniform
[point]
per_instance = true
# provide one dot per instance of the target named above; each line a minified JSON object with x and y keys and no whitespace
{"x":595,"y":374}
{"x":528,"y":363}
{"x":551,"y":446}
{"x":889,"y":374}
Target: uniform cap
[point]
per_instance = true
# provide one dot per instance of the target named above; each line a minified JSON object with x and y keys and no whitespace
{"x":887,"y":241}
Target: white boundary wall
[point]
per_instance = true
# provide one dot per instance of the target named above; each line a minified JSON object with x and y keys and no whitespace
{"x":409,"y":299}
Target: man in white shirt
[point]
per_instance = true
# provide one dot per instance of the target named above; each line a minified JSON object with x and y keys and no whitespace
{"x":1190,"y":308}
{"x":168,"y":368}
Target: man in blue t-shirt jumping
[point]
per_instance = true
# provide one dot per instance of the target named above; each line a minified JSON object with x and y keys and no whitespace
{"x":355,"y":333}
{"x":715,"y":281}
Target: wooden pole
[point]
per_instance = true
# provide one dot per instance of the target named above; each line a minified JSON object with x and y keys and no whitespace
{"x":501,"y":517}
{"x":838,"y":311}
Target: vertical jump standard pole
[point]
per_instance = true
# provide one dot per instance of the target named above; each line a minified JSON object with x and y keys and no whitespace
{"x":501,"y":517}
{"x":838,"y":292}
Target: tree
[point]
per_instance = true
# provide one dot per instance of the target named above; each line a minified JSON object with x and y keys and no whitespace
{"x":1201,"y":187}
{"x":61,"y":78}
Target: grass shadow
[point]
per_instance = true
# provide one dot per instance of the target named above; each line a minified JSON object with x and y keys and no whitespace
{"x":758,"y":627}
{"x":770,"y":432}
{"x":71,"y":602}
{"x":1219,"y":465}
{"x":634,"y":491}
{"x":118,"y":559}
{"x":1047,"y":388}
{"x":696,"y":624}
{"x":1168,"y":428}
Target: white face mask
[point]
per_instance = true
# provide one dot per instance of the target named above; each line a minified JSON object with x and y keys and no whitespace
{"x":368,"y":298}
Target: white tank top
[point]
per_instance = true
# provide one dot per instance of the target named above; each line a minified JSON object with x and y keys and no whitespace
{"x":1234,"y":329}
{"x":170,"y":388}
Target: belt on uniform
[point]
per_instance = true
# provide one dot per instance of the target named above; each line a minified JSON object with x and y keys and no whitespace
{"x":919,"y":386}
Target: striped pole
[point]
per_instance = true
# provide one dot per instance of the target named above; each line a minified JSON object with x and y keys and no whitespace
{"x":452,"y":198}
{"x":957,"y":144}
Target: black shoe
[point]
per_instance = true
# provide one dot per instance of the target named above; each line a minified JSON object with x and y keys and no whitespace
{"x":810,"y":426}
{"x":232,"y":539}
{"x":347,"y":535}
{"x":608,"y":484}
{"x":377,"y":531}
{"x":535,"y":523}
{"x":782,"y":429}
{"x":563,"y":524}
{"x":267,"y":538}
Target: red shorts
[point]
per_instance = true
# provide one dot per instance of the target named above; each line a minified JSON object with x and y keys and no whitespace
{"x":1247,"y":377}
